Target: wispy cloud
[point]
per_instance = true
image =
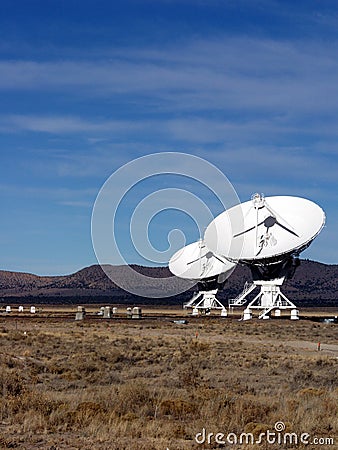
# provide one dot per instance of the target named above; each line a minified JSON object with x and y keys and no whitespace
{"x":56,"y":195}
{"x":65,"y":124}
{"x":277,"y":165}
{"x":264,"y":111}
{"x":77,"y":204}
{"x":216,"y":73}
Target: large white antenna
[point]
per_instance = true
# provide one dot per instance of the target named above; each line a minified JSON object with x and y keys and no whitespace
{"x":271,"y":233}
{"x":292,"y":222}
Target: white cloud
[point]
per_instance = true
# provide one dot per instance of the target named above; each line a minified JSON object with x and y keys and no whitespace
{"x":64,"y":124}
{"x":56,"y":195}
{"x":77,"y":204}
{"x":224,"y":73}
{"x":275,"y":164}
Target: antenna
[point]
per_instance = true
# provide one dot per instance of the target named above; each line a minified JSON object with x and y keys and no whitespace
{"x":267,"y":234}
{"x":197,"y":262}
{"x":283,"y":224}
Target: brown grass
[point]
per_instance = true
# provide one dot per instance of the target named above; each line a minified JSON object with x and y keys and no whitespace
{"x":148,"y":384}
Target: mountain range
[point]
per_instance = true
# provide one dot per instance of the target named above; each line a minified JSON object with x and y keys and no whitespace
{"x":314,"y":283}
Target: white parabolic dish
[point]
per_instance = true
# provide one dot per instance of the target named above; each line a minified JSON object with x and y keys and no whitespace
{"x":196,"y":262}
{"x":265,"y":229}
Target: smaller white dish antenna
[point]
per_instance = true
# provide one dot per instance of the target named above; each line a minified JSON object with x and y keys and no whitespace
{"x":196,"y":262}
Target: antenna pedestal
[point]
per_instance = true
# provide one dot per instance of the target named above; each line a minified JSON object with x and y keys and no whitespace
{"x":269,"y":298}
{"x":204,"y":301}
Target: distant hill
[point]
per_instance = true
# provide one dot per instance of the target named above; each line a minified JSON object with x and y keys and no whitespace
{"x":314,"y":283}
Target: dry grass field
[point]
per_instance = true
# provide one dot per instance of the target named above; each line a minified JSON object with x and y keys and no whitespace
{"x":153,"y":384}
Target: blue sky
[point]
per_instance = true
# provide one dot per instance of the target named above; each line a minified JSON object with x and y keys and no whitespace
{"x":88,"y":86}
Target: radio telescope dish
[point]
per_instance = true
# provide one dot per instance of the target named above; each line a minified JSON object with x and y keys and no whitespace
{"x":196,"y":262}
{"x":265,"y":229}
{"x":267,"y":234}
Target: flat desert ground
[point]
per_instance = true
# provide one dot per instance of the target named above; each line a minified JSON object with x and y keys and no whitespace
{"x":155,"y":384}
